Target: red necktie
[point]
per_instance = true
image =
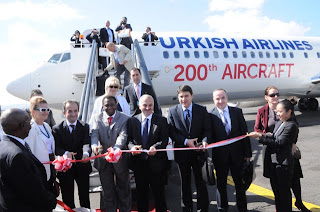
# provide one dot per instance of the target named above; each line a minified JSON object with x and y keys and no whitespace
{"x":110,"y":119}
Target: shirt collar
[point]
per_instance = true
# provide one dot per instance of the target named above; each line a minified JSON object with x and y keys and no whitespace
{"x":149,"y":117}
{"x":226,"y":109}
{"x":189,"y":108}
{"x":112,"y":115}
{"x":18,"y":139}
{"x":137,"y":85}
{"x":68,"y":123}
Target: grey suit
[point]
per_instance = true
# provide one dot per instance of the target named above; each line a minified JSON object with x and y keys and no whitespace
{"x":116,"y":192}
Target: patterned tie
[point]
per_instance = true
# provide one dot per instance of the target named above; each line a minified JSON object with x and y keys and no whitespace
{"x":110,"y":119}
{"x":73,"y":127}
{"x":145,"y":133}
{"x":27,"y":146}
{"x":225,"y":122}
{"x":188,"y":119}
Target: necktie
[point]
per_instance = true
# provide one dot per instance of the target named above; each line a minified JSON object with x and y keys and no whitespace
{"x":137,"y":91}
{"x":27,"y":146}
{"x":225,"y":122}
{"x":145,"y":133}
{"x":119,"y":107}
{"x":72,"y":126}
{"x":109,"y":119}
{"x":188,"y":119}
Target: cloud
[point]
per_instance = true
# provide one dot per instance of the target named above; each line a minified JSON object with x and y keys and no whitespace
{"x":244,"y":17}
{"x":47,"y":11}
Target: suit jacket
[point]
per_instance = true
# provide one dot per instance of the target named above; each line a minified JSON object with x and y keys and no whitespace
{"x":125,"y":41}
{"x":38,"y":146}
{"x":238,"y":150}
{"x":145,"y":37}
{"x":158,"y":135}
{"x":114,"y":135}
{"x":178,"y":132}
{"x":281,"y":143}
{"x":23,"y":183}
{"x":78,"y":142}
{"x":104,"y":36}
{"x":123,"y":53}
{"x":261,"y":124}
{"x":131,"y":97}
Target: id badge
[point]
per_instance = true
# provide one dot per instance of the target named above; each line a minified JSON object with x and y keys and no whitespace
{"x":138,"y":103}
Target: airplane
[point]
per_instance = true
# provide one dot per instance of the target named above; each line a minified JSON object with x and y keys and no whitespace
{"x":243,"y":66}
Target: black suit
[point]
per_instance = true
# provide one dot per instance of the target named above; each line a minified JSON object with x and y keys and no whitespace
{"x":78,"y":142}
{"x":131,"y":97}
{"x":145,"y":37}
{"x":125,"y":41}
{"x":149,"y":170}
{"x":200,"y":128}
{"x":282,"y":162}
{"x":230,"y":156}
{"x":23,"y":180}
{"x":104,"y":36}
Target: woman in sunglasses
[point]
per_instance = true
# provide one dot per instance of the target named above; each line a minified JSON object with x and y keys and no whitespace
{"x":40,"y":138}
{"x":265,"y":122}
{"x":112,"y":87}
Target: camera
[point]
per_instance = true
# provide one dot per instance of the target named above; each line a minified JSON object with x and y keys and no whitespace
{"x":123,"y":22}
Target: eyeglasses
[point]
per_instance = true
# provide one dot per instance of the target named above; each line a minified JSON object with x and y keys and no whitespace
{"x":113,"y":86}
{"x":274,"y":94}
{"x":43,"y":109}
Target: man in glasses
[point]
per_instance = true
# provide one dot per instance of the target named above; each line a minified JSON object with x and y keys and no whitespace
{"x":50,"y":120}
{"x":23,"y":180}
{"x":72,"y":139}
{"x":135,"y":90}
{"x":110,"y":129}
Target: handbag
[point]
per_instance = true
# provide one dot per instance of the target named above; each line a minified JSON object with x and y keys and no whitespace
{"x":297,"y":153}
{"x":103,"y":52}
{"x":208,"y":170}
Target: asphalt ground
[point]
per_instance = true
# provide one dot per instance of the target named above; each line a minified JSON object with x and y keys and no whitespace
{"x":259,"y":195}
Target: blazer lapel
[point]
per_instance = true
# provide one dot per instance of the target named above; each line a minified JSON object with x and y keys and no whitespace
{"x":152,"y":127}
{"x":232,"y":115}
{"x":279,"y":128}
{"x":139,"y":141}
{"x":180,"y":114}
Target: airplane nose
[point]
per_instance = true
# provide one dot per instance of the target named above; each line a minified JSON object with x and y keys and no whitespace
{"x":20,"y":87}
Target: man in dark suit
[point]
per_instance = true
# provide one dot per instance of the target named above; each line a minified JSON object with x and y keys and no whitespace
{"x":126,"y":41}
{"x":72,"y":139}
{"x":149,"y":131}
{"x":23,"y":179}
{"x":149,"y":37}
{"x":189,"y":124}
{"x":135,"y":90}
{"x":106,"y":34}
{"x":228,"y":122}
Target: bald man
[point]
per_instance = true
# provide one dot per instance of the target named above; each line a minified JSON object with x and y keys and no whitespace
{"x":23,"y":180}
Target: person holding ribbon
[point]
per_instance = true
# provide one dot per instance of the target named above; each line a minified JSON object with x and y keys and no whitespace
{"x":110,"y":129}
{"x":40,"y":138}
{"x":228,"y":122}
{"x":149,"y":131}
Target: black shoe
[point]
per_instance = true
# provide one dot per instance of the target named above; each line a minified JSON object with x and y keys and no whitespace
{"x":301,"y":207}
{"x":223,"y":209}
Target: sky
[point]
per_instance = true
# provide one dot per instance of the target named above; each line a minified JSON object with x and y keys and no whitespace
{"x":31,"y":31}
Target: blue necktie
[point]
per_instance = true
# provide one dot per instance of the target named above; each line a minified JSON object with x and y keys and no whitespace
{"x":225,"y":122}
{"x":145,"y":134}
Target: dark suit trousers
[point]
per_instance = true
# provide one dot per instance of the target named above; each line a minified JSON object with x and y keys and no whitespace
{"x":280,"y":180}
{"x":119,"y":71}
{"x":186,"y":191}
{"x":150,"y":174}
{"x":66,"y":180}
{"x":222,"y":169}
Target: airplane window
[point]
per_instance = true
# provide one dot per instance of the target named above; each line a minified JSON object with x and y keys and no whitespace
{"x":291,"y":55}
{"x":176,"y":54}
{"x":260,"y":55}
{"x":268,"y":54}
{"x":276,"y":55}
{"x":186,"y":54}
{"x":306,"y":55}
{"x":166,"y":54}
{"x":55,"y":58}
{"x":252,"y":55}
{"x":318,"y":54}
{"x":196,"y":54}
{"x":65,"y":57}
{"x":205,"y":54}
{"x":225,"y":54}
{"x":215,"y":54}
{"x":235,"y":55}
{"x":244,"y":54}
{"x":284,"y":55}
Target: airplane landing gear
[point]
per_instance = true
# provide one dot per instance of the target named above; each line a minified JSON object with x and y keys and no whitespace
{"x":311,"y":104}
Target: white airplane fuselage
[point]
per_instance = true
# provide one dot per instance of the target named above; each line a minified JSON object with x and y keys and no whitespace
{"x":244,"y":67}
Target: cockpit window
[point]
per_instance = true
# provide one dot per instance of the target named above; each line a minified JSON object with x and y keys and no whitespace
{"x":55,"y":58}
{"x":65,"y":57}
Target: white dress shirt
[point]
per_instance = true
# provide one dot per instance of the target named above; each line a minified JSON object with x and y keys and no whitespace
{"x":226,"y":114}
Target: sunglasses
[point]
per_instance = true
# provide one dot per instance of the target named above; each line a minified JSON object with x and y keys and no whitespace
{"x":274,"y":94}
{"x":43,"y":109}
{"x":113,"y":86}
